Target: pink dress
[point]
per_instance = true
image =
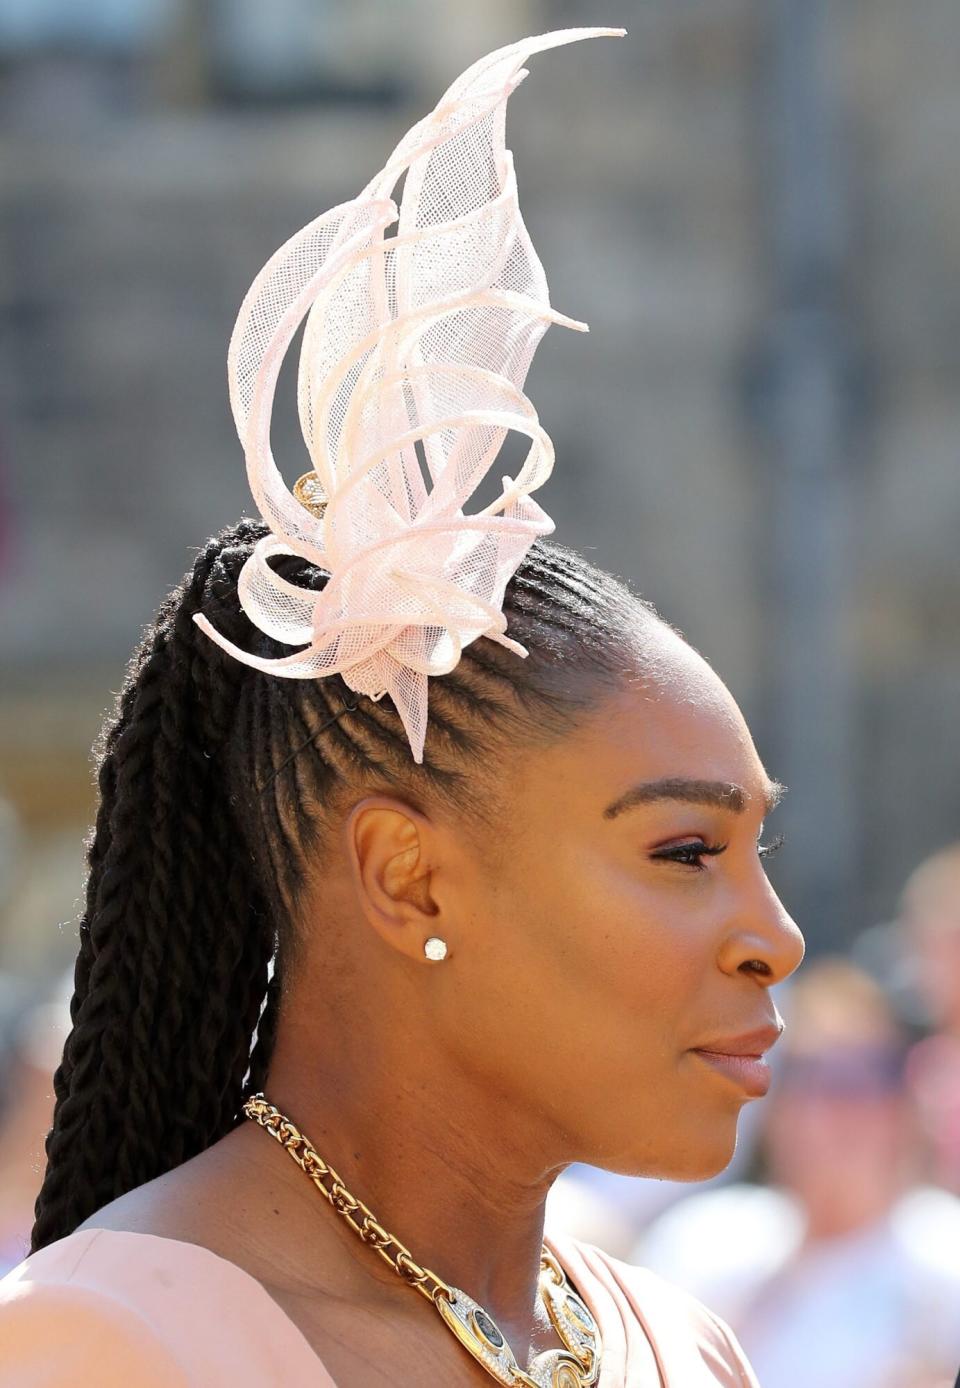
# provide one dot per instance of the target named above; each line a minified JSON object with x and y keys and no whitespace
{"x":104,"y":1308}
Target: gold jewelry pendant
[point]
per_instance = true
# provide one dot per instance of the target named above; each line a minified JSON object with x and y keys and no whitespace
{"x":479,"y":1334}
{"x":574,"y":1323}
{"x":578,"y":1366}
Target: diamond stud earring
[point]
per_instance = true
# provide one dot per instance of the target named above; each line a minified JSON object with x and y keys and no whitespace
{"x":435,"y":948}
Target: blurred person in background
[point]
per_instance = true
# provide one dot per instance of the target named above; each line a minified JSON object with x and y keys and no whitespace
{"x":31,"y":1044}
{"x":930,"y":914}
{"x":845,"y":1271}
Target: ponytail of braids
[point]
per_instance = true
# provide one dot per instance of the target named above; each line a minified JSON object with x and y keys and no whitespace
{"x":175,"y":939}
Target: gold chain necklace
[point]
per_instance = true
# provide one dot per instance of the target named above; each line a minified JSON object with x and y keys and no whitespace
{"x":577,"y":1366}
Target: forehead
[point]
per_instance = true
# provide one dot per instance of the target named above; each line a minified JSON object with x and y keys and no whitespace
{"x":677,"y":722}
{"x":696,"y":732}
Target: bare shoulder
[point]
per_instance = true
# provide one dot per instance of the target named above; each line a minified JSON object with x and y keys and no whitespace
{"x":161,"y":1207}
{"x":237,"y":1201}
{"x":191,"y":1203}
{"x":357,"y":1316}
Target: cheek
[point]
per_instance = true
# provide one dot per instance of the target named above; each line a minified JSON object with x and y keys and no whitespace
{"x":607,"y":958}
{"x":583,"y":988}
{"x":658,"y":935}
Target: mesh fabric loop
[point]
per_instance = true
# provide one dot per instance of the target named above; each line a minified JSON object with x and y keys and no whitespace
{"x":420,"y":339}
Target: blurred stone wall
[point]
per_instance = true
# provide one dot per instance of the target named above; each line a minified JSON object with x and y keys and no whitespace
{"x":134,"y":214}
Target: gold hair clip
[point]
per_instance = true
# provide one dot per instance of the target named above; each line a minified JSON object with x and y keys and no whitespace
{"x":308,"y":490}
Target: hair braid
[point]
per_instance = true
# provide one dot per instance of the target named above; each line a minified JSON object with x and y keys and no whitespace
{"x":139,"y":1006}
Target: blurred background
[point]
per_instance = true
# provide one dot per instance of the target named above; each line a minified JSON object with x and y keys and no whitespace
{"x":756,"y":206}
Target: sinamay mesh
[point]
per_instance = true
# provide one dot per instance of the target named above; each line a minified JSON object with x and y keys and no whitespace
{"x":426,"y":336}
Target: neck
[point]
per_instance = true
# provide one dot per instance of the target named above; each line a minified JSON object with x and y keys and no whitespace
{"x":444,"y":1165}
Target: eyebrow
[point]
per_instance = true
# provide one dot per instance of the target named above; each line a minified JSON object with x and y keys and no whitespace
{"x":726,"y":795}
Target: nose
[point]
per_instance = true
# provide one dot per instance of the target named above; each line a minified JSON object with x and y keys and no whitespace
{"x":764,"y":939}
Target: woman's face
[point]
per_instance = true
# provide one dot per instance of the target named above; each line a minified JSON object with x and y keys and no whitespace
{"x":589,"y":963}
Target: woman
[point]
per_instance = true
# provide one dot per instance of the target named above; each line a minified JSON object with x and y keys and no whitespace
{"x":532,"y":930}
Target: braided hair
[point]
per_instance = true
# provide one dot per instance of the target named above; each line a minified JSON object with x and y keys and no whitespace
{"x":217,"y":786}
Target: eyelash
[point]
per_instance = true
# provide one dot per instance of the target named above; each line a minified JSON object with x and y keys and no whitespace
{"x":705,"y":850}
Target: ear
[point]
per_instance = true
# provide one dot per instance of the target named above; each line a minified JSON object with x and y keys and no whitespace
{"x":389,"y":846}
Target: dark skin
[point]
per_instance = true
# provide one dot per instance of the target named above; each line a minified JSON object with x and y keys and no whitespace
{"x":581,"y":972}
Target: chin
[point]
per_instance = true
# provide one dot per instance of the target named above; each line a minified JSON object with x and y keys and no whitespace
{"x":703,"y":1165}
{"x":710,"y":1150}
{"x":688,"y":1157}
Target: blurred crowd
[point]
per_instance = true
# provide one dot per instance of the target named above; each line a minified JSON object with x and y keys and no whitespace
{"x":831,"y":1244}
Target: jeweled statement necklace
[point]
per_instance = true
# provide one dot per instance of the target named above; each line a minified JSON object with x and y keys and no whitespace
{"x":576,"y":1366}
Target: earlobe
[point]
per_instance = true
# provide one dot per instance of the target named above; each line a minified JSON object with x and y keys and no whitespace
{"x":387,"y":850}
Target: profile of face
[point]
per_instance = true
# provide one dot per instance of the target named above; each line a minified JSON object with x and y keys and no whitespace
{"x":597,"y":935}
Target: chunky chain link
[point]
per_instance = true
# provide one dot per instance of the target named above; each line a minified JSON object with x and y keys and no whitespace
{"x":581,"y":1364}
{"x":329,"y":1184}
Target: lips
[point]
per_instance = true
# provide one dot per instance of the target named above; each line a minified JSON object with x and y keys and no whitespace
{"x":740,"y":1058}
{"x":750,"y":1072}
{"x":747,"y":1043}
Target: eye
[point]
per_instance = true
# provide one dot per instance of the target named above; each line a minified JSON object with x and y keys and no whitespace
{"x":691,"y":854}
{"x":688,"y":853}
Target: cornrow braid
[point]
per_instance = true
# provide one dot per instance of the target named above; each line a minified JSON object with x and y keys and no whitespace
{"x":217,"y":787}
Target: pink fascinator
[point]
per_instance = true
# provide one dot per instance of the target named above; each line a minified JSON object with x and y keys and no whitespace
{"x":421,"y":338}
